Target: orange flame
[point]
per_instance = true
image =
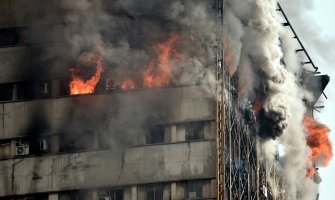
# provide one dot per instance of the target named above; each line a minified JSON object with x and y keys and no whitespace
{"x":159,"y":73}
{"x":128,"y":84}
{"x":310,"y":172}
{"x":78,"y":85}
{"x":318,"y":141}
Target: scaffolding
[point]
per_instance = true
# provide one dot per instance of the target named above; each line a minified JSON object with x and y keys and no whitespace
{"x":239,"y":172}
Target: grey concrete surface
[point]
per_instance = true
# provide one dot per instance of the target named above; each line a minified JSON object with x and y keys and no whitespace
{"x":138,"y":165}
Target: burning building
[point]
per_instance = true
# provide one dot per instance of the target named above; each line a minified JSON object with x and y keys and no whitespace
{"x":156,"y":100}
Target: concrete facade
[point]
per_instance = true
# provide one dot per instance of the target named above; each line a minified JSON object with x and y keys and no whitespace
{"x":138,"y":165}
{"x":113,"y":144}
{"x":133,"y":166}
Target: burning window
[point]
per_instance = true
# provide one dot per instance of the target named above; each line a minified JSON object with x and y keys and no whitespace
{"x":155,"y":135}
{"x":194,"y":189}
{"x":79,"y":85}
{"x":154,"y":192}
{"x":194,"y":130}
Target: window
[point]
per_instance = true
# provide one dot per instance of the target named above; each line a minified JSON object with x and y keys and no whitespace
{"x":6,"y":92}
{"x":194,"y":130}
{"x":154,"y":192}
{"x":117,"y":195}
{"x":9,"y":36}
{"x":155,"y":135}
{"x":194,"y":189}
{"x":34,"y":89}
{"x":111,"y":194}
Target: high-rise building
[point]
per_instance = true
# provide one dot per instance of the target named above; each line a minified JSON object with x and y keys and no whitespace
{"x":113,"y":100}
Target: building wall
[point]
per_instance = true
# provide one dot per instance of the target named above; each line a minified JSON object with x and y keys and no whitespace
{"x":138,"y":165}
{"x":189,"y":103}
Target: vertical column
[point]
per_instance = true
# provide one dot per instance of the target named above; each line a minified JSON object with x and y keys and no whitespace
{"x":134,"y":193}
{"x":141,"y":194}
{"x":173,"y":133}
{"x":173,"y":191}
{"x":167,"y":134}
{"x":55,"y":88}
{"x":181,"y":133}
{"x":127,"y":194}
{"x":12,"y":148}
{"x":177,"y":191}
{"x":15,"y":92}
{"x":93,"y":195}
{"x":54,"y":143}
{"x":142,"y":138}
{"x":95,"y":142}
{"x":53,"y":196}
{"x":167,"y":192}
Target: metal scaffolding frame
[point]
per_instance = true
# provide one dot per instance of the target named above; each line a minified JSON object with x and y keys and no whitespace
{"x":238,"y":170}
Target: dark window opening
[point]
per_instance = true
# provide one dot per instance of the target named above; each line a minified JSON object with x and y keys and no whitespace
{"x":40,"y":146}
{"x":6,"y":92}
{"x":117,"y":195}
{"x":194,"y":189}
{"x":31,"y":90}
{"x":155,"y":135}
{"x":65,"y":88}
{"x":9,"y":36}
{"x":71,"y":142}
{"x":112,"y":195}
{"x":194,"y":130}
{"x":77,"y":195}
{"x":30,"y":197}
{"x":154,"y":192}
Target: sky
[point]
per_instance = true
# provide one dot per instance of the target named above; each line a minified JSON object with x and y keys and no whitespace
{"x":315,"y":26}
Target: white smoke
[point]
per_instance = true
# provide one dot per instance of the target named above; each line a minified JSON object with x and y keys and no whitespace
{"x":263,"y":43}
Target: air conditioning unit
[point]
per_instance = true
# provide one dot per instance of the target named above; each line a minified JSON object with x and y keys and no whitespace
{"x":22,"y":149}
{"x":43,"y":145}
{"x":104,"y":198}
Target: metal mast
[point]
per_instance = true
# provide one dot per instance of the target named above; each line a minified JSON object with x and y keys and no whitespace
{"x":220,"y":104}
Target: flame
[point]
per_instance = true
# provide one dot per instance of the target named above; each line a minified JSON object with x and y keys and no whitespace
{"x":310,"y":172}
{"x":318,"y":141}
{"x":158,"y":73}
{"x":78,"y":85}
{"x":128,"y":84}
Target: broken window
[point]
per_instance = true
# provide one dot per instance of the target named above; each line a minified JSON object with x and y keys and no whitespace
{"x":194,"y":130}
{"x":194,"y":189}
{"x":155,"y":135}
{"x":154,"y":192}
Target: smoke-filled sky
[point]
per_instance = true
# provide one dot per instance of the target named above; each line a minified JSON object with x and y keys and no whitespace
{"x":315,"y":25}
